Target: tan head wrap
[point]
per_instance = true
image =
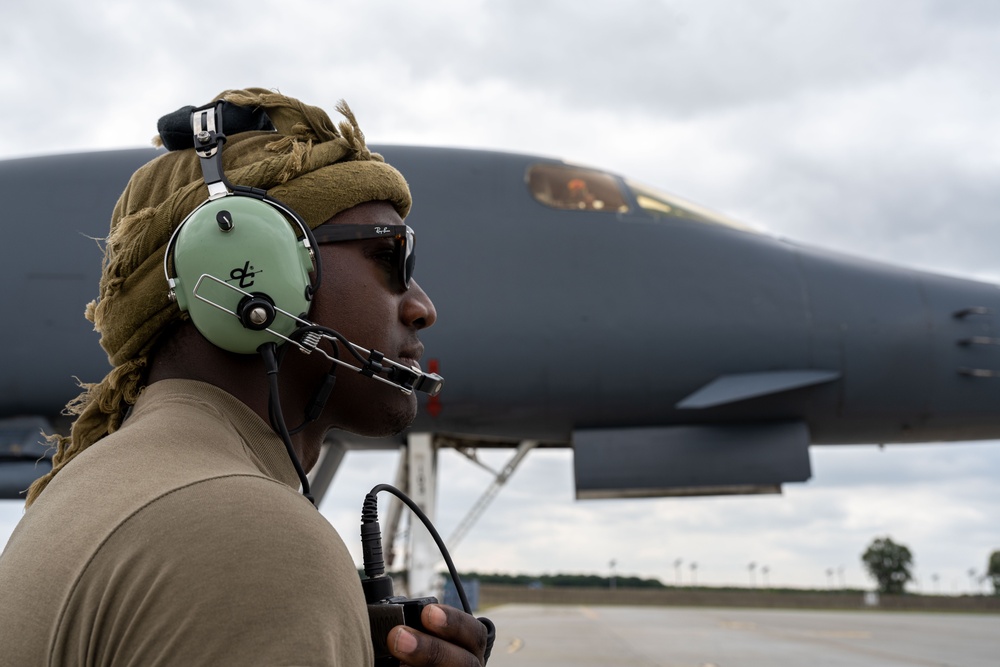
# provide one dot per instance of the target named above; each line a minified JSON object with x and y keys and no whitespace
{"x":310,"y":164}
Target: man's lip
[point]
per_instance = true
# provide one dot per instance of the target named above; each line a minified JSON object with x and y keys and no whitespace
{"x":412,"y":356}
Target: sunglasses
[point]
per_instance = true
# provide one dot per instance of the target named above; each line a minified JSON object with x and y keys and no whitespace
{"x":402,"y":234}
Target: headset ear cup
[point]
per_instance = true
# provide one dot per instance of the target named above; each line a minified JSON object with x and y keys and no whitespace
{"x":242,"y":282}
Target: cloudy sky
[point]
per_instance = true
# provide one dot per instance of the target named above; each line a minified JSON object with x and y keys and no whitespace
{"x":871,"y":127}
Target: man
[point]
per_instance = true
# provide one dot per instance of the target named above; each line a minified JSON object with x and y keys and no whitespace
{"x":171,"y":530}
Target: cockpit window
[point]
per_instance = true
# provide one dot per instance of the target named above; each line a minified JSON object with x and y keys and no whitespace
{"x":573,"y":188}
{"x":660,"y":203}
{"x":580,"y":189}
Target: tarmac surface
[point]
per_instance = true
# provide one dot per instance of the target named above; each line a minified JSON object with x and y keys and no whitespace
{"x":553,"y":636}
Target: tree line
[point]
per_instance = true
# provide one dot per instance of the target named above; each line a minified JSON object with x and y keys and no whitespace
{"x":890,"y":565}
{"x":575,"y":580}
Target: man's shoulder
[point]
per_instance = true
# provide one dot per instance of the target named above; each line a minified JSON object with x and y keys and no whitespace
{"x":173,"y":439}
{"x":156,"y":485}
{"x":211,"y":559}
{"x":197,"y":564}
{"x":248,"y":499}
{"x":246,"y":517}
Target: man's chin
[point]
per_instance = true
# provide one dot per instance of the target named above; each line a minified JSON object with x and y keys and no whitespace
{"x":400,"y":420}
{"x":396,"y":419}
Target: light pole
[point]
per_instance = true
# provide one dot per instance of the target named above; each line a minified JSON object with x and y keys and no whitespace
{"x":763,"y":574}
{"x":694,"y":573}
{"x":677,"y":569}
{"x":751,"y":567}
{"x":612,"y":583}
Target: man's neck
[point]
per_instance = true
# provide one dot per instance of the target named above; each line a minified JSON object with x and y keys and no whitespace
{"x":187,"y":355}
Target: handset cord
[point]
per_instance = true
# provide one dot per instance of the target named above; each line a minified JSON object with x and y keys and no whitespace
{"x":371,"y":548}
{"x":369,"y":517}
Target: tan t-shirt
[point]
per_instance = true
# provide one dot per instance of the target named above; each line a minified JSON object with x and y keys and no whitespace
{"x":181,"y":539}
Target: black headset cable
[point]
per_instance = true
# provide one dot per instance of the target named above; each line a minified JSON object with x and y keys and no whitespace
{"x":267,"y":353}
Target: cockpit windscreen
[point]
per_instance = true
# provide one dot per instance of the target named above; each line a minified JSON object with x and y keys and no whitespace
{"x":579,"y":189}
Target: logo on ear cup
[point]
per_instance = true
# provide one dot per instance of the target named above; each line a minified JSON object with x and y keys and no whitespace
{"x":216,"y":266}
{"x":244,"y":275}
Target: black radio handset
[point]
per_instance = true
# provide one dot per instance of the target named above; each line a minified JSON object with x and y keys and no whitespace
{"x":386,"y":610}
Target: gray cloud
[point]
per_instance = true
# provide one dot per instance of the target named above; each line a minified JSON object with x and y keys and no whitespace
{"x":684,"y":58}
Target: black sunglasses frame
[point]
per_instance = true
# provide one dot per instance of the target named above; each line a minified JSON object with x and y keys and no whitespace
{"x":404,"y":236}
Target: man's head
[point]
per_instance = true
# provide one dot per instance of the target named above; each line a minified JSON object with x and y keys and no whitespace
{"x":310,"y":165}
{"x":320,"y":170}
{"x":364,"y":299}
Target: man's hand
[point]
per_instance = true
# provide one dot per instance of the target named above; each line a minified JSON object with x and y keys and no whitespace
{"x":453,"y":639}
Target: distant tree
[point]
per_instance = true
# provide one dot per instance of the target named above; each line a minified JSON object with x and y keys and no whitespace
{"x":993,"y":571}
{"x":889,"y":564}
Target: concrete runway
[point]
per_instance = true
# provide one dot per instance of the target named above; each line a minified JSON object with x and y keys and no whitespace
{"x":705,"y":637}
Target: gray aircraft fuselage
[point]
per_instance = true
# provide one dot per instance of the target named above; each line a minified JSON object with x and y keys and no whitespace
{"x":590,"y":325}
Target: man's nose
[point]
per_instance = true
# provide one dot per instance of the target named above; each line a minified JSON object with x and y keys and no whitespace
{"x":417,"y":309}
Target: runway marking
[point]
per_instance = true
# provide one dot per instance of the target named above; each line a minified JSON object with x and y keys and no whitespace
{"x":839,"y":634}
{"x":589,"y":613}
{"x":515,"y":645}
{"x":738,"y":625}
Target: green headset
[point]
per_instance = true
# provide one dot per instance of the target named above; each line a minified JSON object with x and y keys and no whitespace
{"x":240,"y":263}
